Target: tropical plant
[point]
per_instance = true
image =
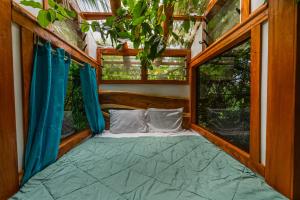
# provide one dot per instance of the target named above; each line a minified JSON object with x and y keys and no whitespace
{"x":55,"y":12}
{"x":140,"y":21}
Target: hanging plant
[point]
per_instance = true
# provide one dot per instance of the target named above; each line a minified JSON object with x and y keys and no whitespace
{"x":140,"y":22}
{"x":143,"y":22}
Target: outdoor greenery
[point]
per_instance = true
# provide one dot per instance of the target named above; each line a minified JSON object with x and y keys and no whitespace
{"x":129,"y":68}
{"x":168,"y":68}
{"x":227,"y":17}
{"x":223,"y":95}
{"x":121,"y":68}
{"x":74,"y":116}
{"x":138,"y":21}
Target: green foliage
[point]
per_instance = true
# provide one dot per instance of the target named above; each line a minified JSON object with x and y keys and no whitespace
{"x":224,"y":95}
{"x":74,"y":99}
{"x":138,"y":21}
{"x":56,"y":12}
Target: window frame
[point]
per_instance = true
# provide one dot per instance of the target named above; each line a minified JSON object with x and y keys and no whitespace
{"x":250,"y":28}
{"x":253,"y":83}
{"x":144,"y":74}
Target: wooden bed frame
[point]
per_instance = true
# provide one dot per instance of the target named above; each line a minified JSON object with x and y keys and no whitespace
{"x":127,"y":100}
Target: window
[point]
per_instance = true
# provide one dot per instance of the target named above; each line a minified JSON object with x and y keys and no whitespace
{"x":74,"y":115}
{"x":171,"y":69}
{"x":223,"y":95}
{"x":121,"y":68}
{"x":168,"y":68}
{"x":222,"y":18}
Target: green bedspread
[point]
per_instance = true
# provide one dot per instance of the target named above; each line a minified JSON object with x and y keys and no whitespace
{"x":147,"y":168}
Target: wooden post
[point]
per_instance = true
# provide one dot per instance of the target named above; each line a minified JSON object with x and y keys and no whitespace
{"x":283,"y":99}
{"x":8,"y":146}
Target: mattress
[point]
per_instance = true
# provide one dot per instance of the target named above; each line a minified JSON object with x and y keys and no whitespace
{"x":154,"y":166}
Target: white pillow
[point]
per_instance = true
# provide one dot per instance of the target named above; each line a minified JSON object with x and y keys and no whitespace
{"x":164,"y":120}
{"x":127,"y":121}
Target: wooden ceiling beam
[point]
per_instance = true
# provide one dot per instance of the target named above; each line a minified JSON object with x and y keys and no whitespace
{"x":95,"y":15}
{"x":115,"y":5}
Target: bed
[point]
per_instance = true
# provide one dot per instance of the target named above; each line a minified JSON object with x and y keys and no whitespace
{"x":147,"y":166}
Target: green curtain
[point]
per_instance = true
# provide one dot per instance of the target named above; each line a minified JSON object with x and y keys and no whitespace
{"x":46,"y":109}
{"x":90,"y":97}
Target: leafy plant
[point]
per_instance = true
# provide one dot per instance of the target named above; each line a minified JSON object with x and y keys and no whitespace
{"x":55,"y":12}
{"x":139,"y":21}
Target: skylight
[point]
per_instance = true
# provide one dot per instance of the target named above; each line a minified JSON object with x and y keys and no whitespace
{"x":93,"y":5}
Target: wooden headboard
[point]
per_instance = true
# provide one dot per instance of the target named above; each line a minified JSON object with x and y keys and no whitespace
{"x":126,"y":100}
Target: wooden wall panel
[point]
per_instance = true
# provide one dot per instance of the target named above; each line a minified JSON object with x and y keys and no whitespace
{"x":296,"y":173}
{"x":282,"y":96}
{"x":27,"y":44}
{"x":8,"y":147}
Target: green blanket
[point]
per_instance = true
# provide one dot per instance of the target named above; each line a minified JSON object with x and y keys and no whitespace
{"x":147,"y":168}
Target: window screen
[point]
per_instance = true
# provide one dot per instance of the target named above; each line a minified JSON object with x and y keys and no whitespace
{"x":129,"y":68}
{"x":223,"y":95}
{"x":168,"y":68}
{"x":74,"y":115}
{"x":223,"y":19}
{"x":121,"y":68}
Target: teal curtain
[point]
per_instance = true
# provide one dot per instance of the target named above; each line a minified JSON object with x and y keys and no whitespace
{"x":90,"y":98}
{"x":46,"y":108}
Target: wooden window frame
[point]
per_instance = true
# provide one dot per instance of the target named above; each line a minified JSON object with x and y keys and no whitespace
{"x":133,"y":52}
{"x":250,"y":28}
{"x":213,"y":6}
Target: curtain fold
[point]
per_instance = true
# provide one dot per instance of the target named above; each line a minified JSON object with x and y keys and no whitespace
{"x":90,"y":97}
{"x":46,"y":108}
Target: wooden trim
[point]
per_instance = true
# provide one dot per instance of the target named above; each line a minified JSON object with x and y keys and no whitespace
{"x":245,"y":9}
{"x":229,"y":148}
{"x":255,"y":97}
{"x":296,"y":171}
{"x":237,"y":34}
{"x":70,"y":142}
{"x":170,"y":82}
{"x":8,"y":146}
{"x":210,"y":6}
{"x":115,"y":5}
{"x":28,"y":21}
{"x":99,"y":69}
{"x":282,"y":97}
{"x":193,"y":93}
{"x":95,"y":15}
{"x":45,"y":4}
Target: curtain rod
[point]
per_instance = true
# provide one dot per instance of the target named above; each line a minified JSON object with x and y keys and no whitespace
{"x":66,"y":58}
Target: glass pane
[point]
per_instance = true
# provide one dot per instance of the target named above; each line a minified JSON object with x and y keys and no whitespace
{"x":225,"y":18}
{"x":185,"y":38}
{"x":168,"y":68}
{"x":69,"y":30}
{"x":121,"y":68}
{"x":187,"y":7}
{"x":223,"y":95}
{"x":74,"y":115}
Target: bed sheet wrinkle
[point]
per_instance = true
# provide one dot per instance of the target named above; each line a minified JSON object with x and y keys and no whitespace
{"x":186,"y":167}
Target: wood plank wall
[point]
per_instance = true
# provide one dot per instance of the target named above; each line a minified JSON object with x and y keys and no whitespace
{"x":282,"y":126}
{"x":8,"y":146}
